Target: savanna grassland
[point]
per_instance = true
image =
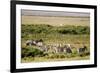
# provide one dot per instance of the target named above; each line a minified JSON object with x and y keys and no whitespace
{"x":55,"y":30}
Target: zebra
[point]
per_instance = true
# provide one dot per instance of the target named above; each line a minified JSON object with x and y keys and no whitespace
{"x":34,"y":42}
{"x":29,"y":42}
{"x":82,"y":51}
{"x":67,"y":48}
{"x":44,"y":48}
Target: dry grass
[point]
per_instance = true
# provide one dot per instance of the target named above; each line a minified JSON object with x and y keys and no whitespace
{"x":56,"y":21}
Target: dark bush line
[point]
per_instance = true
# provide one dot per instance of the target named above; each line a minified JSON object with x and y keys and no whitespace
{"x":48,"y":29}
{"x":74,"y":30}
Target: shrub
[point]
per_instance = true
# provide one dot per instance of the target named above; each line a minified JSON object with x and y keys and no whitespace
{"x":29,"y":51}
{"x":64,"y":31}
{"x":62,"y":56}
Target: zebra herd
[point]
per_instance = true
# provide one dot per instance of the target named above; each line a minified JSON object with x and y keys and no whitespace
{"x":55,"y":48}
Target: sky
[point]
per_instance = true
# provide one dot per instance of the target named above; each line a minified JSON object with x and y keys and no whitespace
{"x":53,"y":13}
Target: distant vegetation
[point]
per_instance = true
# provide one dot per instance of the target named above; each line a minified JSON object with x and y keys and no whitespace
{"x":48,"y":29}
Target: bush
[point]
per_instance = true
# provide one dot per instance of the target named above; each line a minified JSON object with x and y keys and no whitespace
{"x":64,"y":31}
{"x":62,"y":56}
{"x":29,"y":51}
{"x":74,"y":30}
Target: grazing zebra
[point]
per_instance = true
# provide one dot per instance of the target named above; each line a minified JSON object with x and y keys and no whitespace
{"x":44,"y":48}
{"x":60,"y":49}
{"x":82,"y":50}
{"x":67,"y":48}
{"x":29,"y":42}
{"x":55,"y":49}
{"x":38,"y":43}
